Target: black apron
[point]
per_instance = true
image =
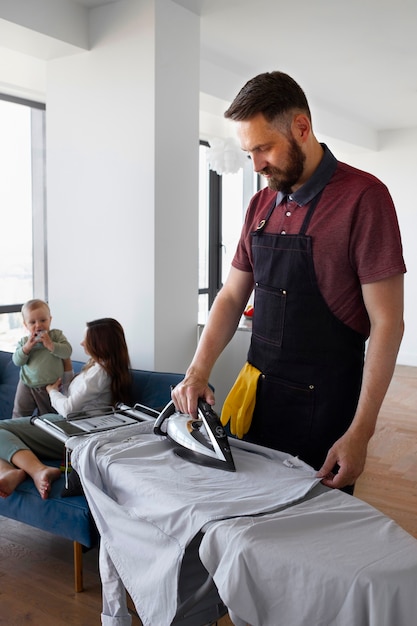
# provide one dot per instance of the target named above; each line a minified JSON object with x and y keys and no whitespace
{"x":311,"y":363}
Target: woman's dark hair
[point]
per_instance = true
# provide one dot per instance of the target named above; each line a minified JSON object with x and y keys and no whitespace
{"x":106,"y":344}
{"x":274,"y":94}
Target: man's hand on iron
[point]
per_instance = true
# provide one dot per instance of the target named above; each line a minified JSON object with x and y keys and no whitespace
{"x":349,"y":454}
{"x":186,"y":394}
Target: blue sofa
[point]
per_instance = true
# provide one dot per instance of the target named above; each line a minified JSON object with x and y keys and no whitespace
{"x":68,"y":517}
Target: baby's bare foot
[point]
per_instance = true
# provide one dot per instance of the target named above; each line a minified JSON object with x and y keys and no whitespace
{"x":10,"y":478}
{"x":44,"y":479}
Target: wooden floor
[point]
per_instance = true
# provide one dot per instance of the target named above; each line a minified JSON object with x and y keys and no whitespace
{"x":389,"y":481}
{"x":36,"y":568}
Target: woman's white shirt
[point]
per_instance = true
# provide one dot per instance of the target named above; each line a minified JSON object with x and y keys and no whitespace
{"x":88,"y":390}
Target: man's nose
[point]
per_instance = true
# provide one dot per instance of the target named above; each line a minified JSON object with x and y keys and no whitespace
{"x":259,"y":163}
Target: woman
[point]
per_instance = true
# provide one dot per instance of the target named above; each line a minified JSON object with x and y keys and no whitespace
{"x":104,"y":380}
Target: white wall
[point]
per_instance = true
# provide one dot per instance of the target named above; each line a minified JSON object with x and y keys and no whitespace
{"x":44,"y":22}
{"x":22,"y":75}
{"x":122,"y":124}
{"x":395,"y":164}
{"x":122,"y":149}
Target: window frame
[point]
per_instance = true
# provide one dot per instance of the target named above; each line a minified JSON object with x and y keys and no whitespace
{"x":38,"y":160}
{"x":215,"y":235}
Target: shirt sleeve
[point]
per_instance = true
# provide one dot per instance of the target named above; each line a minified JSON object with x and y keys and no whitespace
{"x":375,"y":245}
{"x":19,"y":358}
{"x":85,"y":389}
{"x":62,"y":347}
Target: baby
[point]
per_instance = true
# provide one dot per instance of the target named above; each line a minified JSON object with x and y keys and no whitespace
{"x":43,"y":356}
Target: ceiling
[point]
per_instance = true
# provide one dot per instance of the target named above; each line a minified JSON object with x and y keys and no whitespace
{"x":355,"y":58}
{"x":93,"y":3}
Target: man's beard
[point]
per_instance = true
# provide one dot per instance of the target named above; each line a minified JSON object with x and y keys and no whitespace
{"x":284,"y":180}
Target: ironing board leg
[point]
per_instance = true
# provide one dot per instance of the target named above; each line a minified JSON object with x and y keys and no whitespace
{"x":78,"y":567}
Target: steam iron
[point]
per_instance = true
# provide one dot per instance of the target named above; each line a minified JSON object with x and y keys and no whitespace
{"x":202,"y":441}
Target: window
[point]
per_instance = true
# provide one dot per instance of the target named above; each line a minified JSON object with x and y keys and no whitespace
{"x":22,"y":210}
{"x":222,"y":205}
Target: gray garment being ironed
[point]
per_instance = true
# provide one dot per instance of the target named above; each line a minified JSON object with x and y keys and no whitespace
{"x":19,"y":434}
{"x":148,"y":501}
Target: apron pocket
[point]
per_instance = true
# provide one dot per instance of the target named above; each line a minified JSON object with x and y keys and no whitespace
{"x":269,"y":312}
{"x":283,"y":415}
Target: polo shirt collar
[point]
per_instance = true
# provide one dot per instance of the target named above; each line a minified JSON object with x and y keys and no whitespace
{"x":316,"y":182}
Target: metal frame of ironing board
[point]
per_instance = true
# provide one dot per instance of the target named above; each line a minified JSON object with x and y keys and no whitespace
{"x":206,"y":594}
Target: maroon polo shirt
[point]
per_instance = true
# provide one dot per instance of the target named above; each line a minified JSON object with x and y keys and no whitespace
{"x":354,"y":230}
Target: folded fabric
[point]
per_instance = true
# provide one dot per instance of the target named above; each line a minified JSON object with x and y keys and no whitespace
{"x":240,"y":402}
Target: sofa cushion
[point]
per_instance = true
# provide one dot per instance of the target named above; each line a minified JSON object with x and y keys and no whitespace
{"x":7,"y":393}
{"x":9,"y":377}
{"x":153,"y":389}
{"x":66,"y":517}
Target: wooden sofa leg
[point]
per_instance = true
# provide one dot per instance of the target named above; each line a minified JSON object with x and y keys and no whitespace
{"x":78,"y":567}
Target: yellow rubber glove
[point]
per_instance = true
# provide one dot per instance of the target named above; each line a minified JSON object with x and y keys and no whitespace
{"x":240,"y":402}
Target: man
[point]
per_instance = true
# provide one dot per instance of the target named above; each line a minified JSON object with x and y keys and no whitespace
{"x":322,"y":250}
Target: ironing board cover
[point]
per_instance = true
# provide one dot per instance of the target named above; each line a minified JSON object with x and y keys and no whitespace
{"x":148,"y":504}
{"x":329,"y":561}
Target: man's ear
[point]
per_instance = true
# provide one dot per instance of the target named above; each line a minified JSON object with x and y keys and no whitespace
{"x":301,"y":127}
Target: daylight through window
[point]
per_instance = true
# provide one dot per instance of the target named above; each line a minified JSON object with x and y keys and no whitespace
{"x":22,"y":207}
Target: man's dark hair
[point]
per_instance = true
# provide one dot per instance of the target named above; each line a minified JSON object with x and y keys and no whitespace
{"x":273,"y":94}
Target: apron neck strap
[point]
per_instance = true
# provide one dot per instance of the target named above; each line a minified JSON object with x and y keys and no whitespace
{"x":310,"y":212}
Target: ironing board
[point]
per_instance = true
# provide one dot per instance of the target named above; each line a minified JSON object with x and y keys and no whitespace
{"x":329,"y":561}
{"x":281,"y":548}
